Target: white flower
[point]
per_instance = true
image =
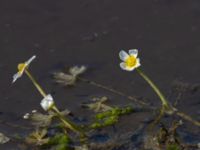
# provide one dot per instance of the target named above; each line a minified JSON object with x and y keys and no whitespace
{"x":47,"y":102}
{"x":130,"y":61}
{"x":21,"y":67}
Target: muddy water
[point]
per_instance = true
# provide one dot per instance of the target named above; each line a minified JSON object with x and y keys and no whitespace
{"x":92,"y":32}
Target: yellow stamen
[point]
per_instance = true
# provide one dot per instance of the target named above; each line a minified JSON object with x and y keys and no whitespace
{"x":21,"y":67}
{"x":131,"y":61}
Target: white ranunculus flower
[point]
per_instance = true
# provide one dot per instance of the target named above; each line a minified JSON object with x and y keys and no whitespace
{"x":21,"y":67}
{"x":47,"y":102}
{"x":130,"y":59}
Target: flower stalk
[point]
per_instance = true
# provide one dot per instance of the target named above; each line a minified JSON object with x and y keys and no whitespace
{"x":38,"y":87}
{"x":47,"y":103}
{"x":66,"y":122}
{"x":154,"y":87}
{"x":132,"y":62}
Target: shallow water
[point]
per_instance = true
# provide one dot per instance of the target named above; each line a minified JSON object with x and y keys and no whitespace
{"x":90,"y":32}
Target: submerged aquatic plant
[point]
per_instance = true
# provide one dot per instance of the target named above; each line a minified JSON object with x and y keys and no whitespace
{"x":47,"y":102}
{"x":69,"y":79}
{"x":97,"y":105}
{"x":38,"y":137}
{"x":169,"y":138}
{"x":105,"y":114}
{"x":58,"y":142}
{"x":44,"y":120}
{"x":3,"y":139}
{"x":110,"y":117}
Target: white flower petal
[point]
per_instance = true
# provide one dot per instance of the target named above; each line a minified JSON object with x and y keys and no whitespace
{"x":47,"y":102}
{"x":123,"y":65}
{"x":133,"y":52}
{"x":137,"y":63}
{"x":30,"y":60}
{"x":123,"y":55}
{"x":16,"y":76}
{"x":130,"y":69}
{"x":22,"y":67}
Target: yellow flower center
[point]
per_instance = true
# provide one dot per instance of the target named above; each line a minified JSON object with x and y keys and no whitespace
{"x":21,"y":67}
{"x":130,"y":61}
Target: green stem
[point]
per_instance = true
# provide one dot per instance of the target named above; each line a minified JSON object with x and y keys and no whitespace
{"x":188,"y":118}
{"x":66,"y":122}
{"x":154,"y":87}
{"x":113,"y":91}
{"x":39,"y":88}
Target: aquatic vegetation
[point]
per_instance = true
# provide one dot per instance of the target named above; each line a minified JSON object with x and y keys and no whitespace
{"x":58,"y":142}
{"x":131,"y":62}
{"x":167,"y":138}
{"x":38,"y":137}
{"x":55,"y":130}
{"x":110,"y":117}
{"x":66,"y":79}
{"x":97,"y":105}
{"x":105,"y":114}
{"x":41,"y":120}
{"x":47,"y":103}
{"x":4,"y":139}
{"x":70,"y":78}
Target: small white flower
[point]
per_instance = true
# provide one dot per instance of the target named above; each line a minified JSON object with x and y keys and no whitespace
{"x":26,"y":116}
{"x":21,"y":67}
{"x":130,"y":61}
{"x":47,"y":102}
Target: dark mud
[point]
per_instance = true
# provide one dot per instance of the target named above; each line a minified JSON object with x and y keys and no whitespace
{"x":92,"y":32}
